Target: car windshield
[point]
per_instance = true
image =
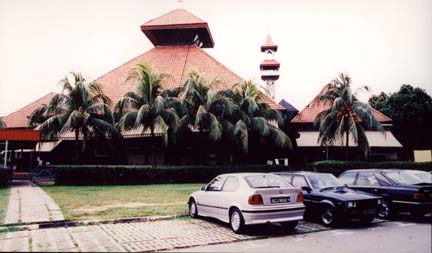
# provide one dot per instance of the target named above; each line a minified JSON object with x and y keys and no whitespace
{"x":402,"y":177}
{"x":266,"y":181}
{"x":426,"y":177}
{"x":322,"y":181}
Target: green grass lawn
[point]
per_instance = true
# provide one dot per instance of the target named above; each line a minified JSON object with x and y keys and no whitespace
{"x":109,"y":202}
{"x":4,"y":200}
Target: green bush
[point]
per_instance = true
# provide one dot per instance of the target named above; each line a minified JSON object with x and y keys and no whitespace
{"x":337,"y":167}
{"x":5,"y":177}
{"x":129,"y":175}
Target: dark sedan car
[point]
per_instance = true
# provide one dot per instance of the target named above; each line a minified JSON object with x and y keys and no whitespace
{"x":326,"y":198}
{"x":401,"y":191}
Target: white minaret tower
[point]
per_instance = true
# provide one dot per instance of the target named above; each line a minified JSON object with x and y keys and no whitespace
{"x":269,"y":67}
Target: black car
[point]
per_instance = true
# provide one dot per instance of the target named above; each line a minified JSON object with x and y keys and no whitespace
{"x":332,"y":203}
{"x":401,"y":191}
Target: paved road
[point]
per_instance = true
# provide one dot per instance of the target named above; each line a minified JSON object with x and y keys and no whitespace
{"x":393,"y":236}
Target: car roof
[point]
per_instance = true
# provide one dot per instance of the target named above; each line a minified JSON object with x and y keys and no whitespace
{"x":371,"y":170}
{"x":243,"y":174}
{"x":300,"y":172}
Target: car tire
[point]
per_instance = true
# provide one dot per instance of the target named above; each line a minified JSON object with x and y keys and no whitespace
{"x":328,"y":216}
{"x":237,"y":221}
{"x":290,"y":225}
{"x":366,"y":220}
{"x":384,"y":211}
{"x":193,"y":209}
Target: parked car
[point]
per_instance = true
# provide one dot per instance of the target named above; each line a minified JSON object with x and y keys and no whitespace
{"x":330,"y":201}
{"x":401,"y":191}
{"x":242,"y":199}
{"x":423,"y":176}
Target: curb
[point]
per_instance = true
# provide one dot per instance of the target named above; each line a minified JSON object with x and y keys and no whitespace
{"x":64,"y":223}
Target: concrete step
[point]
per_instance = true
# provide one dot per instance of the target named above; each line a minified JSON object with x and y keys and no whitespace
{"x":21,"y":176}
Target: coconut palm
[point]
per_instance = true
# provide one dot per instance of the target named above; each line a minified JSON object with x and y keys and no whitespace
{"x":257,"y":118}
{"x":146,"y":108}
{"x":81,"y":108}
{"x":346,"y":116}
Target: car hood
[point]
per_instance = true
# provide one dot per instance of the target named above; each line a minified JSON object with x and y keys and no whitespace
{"x":346,"y":194}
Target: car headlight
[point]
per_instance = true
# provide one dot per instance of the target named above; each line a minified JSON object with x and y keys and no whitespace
{"x":379,"y":201}
{"x":351,"y":204}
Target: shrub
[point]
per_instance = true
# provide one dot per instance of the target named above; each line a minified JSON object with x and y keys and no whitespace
{"x":5,"y":177}
{"x":129,"y":175}
{"x":337,"y":167}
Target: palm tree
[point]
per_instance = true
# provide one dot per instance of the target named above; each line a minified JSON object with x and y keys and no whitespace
{"x":145,"y":107}
{"x":257,"y":118}
{"x":346,"y":116}
{"x":81,"y":108}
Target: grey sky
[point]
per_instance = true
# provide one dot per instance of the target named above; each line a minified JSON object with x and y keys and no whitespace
{"x":382,"y":44}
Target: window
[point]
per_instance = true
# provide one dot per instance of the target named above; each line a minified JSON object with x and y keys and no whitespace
{"x":287,"y":177}
{"x":347,"y":178}
{"x":215,"y":184}
{"x":299,"y":181}
{"x":266,"y":181}
{"x":367,"y":179}
{"x":231,"y":184}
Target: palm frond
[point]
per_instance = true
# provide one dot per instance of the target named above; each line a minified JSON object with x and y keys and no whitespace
{"x":159,"y":122}
{"x":260,"y":126}
{"x":240,"y":135}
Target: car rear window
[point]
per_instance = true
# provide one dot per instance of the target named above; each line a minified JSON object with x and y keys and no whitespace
{"x":402,"y":177}
{"x":266,"y":181}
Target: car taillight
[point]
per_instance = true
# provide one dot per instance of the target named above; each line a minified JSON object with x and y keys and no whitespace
{"x":255,"y":200}
{"x":300,"y":197}
{"x":419,"y":196}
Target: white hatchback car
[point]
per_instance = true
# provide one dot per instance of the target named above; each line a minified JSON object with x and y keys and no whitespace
{"x":249,"y":198}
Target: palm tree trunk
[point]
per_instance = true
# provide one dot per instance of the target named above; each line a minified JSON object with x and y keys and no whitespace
{"x":346,"y":145}
{"x":153,"y":147}
{"x":76,"y":146}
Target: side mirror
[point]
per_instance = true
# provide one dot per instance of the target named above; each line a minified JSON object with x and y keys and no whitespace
{"x":306,"y":188}
{"x":203,"y":188}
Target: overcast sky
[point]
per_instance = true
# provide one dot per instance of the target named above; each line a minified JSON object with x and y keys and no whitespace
{"x":380,"y":43}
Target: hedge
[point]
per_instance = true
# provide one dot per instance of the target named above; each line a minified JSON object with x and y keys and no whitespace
{"x":130,"y":175}
{"x":337,"y":167}
{"x":5,"y":177}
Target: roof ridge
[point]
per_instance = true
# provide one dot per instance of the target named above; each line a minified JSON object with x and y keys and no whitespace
{"x":25,"y":106}
{"x":123,"y":64}
{"x":219,"y":63}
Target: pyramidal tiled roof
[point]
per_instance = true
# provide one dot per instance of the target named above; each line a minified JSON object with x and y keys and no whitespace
{"x":175,"y":17}
{"x":18,"y":119}
{"x":176,"y":61}
{"x":269,"y":44}
{"x":309,"y":113}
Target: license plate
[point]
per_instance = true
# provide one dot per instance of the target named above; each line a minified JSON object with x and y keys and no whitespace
{"x":280,"y":200}
{"x":369,"y":211}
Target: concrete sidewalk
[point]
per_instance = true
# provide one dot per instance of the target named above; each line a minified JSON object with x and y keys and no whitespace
{"x":133,"y":237}
{"x":29,"y":203}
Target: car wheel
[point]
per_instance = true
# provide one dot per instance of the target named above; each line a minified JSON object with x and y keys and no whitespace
{"x":384,"y":211}
{"x":289,"y":226}
{"x":328,"y":216}
{"x":366,"y":220}
{"x":193,"y":210}
{"x":236,"y":221}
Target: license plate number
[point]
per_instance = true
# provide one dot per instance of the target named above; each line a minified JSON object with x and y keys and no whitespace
{"x":280,"y":200}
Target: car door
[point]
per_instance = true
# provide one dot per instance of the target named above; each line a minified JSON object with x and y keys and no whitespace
{"x":229,"y":195}
{"x":367,"y":182}
{"x":209,"y":202}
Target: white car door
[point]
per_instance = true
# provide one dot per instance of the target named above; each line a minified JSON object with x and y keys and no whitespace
{"x":209,"y":200}
{"x":228,"y":195}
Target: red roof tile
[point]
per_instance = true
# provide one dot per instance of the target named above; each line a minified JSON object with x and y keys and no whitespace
{"x":19,"y":119}
{"x":175,"y":17}
{"x":269,"y":63}
{"x":309,"y":113}
{"x":269,"y":44}
{"x":176,"y":61}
